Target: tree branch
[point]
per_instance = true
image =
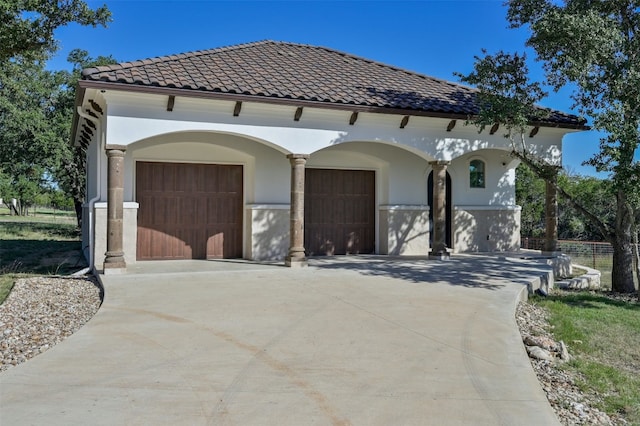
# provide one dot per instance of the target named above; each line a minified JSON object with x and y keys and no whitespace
{"x":544,"y":172}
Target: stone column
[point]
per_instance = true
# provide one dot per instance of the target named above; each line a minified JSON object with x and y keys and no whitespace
{"x":551,"y":215}
{"x":296,"y":257}
{"x":114,"y":257}
{"x":439,"y":248}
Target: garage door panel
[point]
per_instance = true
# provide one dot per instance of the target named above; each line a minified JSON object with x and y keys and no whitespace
{"x":214,"y":243}
{"x":235,"y":180}
{"x":164,"y":180}
{"x":223,"y":181}
{"x":339,"y":212}
{"x":189,"y":211}
{"x":212,"y":210}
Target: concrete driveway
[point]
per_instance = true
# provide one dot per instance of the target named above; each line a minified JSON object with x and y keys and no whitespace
{"x":347,"y":341}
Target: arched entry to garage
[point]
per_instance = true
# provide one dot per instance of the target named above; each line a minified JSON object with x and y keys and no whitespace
{"x":195,"y":192}
{"x":448,"y":209}
{"x":366,"y":197}
{"x":340,"y":212}
{"x":189,"y":211}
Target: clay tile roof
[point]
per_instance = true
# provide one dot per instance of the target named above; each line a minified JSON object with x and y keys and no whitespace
{"x":301,"y":72}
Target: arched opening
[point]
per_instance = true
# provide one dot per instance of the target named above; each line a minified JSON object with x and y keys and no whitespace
{"x":366,"y":197}
{"x":193,"y":190}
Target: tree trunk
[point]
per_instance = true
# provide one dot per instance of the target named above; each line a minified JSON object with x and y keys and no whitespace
{"x":622,"y":273}
{"x":78,"y":206}
{"x":636,"y":256}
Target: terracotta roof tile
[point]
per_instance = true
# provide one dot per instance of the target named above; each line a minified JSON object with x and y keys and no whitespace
{"x":301,"y":72}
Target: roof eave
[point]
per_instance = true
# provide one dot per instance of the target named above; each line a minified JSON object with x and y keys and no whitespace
{"x":80,"y":91}
{"x":105,"y":85}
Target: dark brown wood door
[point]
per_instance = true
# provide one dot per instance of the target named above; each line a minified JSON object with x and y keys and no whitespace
{"x":339,"y":212}
{"x":189,"y":211}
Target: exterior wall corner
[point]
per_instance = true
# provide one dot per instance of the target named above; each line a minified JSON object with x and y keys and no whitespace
{"x":130,"y":232}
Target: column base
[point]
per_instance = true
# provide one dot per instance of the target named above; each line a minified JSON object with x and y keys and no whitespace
{"x":295,"y":262}
{"x":113,"y":269}
{"x":445,"y":255}
{"x":114,"y":263}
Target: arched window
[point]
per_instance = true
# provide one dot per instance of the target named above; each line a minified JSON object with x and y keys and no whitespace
{"x":476,"y":174}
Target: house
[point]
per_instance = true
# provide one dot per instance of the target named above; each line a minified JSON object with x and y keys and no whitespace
{"x":273,"y":150}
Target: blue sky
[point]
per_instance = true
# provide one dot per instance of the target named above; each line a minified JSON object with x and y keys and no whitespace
{"x":432,"y":37}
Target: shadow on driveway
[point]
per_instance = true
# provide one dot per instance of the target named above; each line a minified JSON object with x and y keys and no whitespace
{"x":475,"y":271}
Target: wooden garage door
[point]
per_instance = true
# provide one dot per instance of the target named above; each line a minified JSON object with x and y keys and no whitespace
{"x":189,"y":211}
{"x":339,"y":212}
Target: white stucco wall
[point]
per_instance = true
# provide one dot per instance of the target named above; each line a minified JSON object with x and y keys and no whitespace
{"x":486,"y":228}
{"x":500,"y":179}
{"x":404,"y":230}
{"x":267,"y":236}
{"x":134,"y":117}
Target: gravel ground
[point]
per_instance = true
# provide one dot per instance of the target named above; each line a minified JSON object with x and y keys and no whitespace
{"x":572,"y":406}
{"x":41,"y":312}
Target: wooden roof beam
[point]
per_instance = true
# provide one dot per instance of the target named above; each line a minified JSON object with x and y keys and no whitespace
{"x":494,"y":128}
{"x":237,"y":108}
{"x":534,"y":131}
{"x":354,"y":117}
{"x":404,"y":121}
{"x":171,"y":102}
{"x":298,"y":114}
{"x":87,"y":129}
{"x":451,"y":125}
{"x":96,"y":106}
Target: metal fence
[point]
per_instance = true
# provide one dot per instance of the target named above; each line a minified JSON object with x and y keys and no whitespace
{"x":592,"y":254}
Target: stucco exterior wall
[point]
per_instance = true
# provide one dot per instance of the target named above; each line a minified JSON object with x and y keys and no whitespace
{"x":404,"y":230}
{"x":500,"y":179}
{"x":135,"y":117}
{"x":486,"y":229}
{"x":267,"y":236}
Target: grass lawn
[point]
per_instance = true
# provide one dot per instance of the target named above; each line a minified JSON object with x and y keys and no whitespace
{"x":47,"y":243}
{"x":603,"y":335}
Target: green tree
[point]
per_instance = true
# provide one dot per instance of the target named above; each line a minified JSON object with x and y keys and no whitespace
{"x":35,"y":113}
{"x":594,"y":46}
{"x":28,"y":26}
{"x":590,"y":191}
{"x":587,"y":190}
{"x":506,"y":96}
{"x":30,"y":146}
{"x":530,"y":195}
